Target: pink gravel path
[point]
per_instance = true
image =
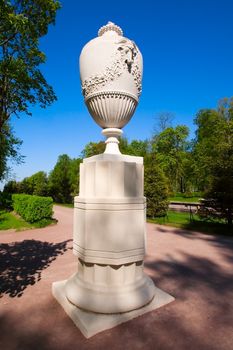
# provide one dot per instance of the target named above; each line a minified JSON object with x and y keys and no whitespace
{"x":195,"y":268}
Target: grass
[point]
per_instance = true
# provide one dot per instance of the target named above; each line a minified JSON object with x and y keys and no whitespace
{"x":190,"y":197}
{"x":182,"y":220}
{"x":9,"y":220}
{"x":184,"y":199}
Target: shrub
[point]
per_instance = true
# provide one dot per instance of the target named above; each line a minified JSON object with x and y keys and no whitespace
{"x":32,"y":208}
{"x":156,"y":188}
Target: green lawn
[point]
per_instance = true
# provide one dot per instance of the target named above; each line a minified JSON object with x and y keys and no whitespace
{"x":8,"y":220}
{"x":182,"y":220}
{"x":184,"y":199}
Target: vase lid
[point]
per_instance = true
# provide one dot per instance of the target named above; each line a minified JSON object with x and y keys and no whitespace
{"x":110,"y":26}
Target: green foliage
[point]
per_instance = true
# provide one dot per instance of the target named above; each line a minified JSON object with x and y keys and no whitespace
{"x":37,"y":184}
{"x":193,"y":197}
{"x":59,"y":182}
{"x":182,"y":220}
{"x":205,"y":145}
{"x":92,"y":149}
{"x":155,"y":188}
{"x":22,"y":24}
{"x":32,"y":208}
{"x":10,"y":221}
{"x":40,"y":183}
{"x":137,"y":148}
{"x":213,"y":150}
{"x":221,"y":194}
{"x":74,"y":177}
{"x":63,"y":179}
{"x":26,"y":186}
{"x":62,"y":183}
{"x":12,"y":186}
{"x":5,"y":201}
{"x":171,"y":148}
{"x":44,"y":222}
{"x":9,"y":147}
{"x":172,"y":162}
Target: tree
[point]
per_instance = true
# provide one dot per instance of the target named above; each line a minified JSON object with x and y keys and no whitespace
{"x":59,"y":180}
{"x":22,"y":24}
{"x":74,"y":176}
{"x":138,"y":148}
{"x":9,"y":146}
{"x":26,"y":186}
{"x":39,"y":183}
{"x":209,"y":125}
{"x":221,"y":192}
{"x":11,"y":187}
{"x":63,"y":181}
{"x":163,"y":120}
{"x":93,"y":148}
{"x":214,"y":151}
{"x":171,"y":147}
{"x":155,"y":188}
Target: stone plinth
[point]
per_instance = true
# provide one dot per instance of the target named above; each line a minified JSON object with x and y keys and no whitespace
{"x":109,"y":236}
{"x":91,"y":323}
{"x":109,"y":242}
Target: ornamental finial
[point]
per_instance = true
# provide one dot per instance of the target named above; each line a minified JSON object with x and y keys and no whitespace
{"x":110,"y":26}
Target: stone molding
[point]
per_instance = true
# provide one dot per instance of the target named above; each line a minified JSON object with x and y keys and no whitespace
{"x":112,"y":94}
{"x":114,"y":158}
{"x":122,"y":106}
{"x":107,"y":257}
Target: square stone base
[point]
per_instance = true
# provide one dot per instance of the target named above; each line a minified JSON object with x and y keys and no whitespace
{"x":91,"y":323}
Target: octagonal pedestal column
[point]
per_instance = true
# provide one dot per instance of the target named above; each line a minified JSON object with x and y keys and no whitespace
{"x":109,"y":236}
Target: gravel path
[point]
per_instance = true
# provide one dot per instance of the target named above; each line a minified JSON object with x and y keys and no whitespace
{"x":195,"y":268}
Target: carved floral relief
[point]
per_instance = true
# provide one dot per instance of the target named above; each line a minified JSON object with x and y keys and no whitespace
{"x":124,"y":58}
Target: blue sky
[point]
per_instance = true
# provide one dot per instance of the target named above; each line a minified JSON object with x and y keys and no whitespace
{"x":187,"y":46}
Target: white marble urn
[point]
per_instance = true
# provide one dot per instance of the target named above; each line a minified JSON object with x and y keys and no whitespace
{"x":110,"y":285}
{"x":111,"y":74}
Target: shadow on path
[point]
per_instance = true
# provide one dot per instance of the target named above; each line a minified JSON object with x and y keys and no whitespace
{"x":21,"y":263}
{"x":200,"y":280}
{"x":223,"y":244}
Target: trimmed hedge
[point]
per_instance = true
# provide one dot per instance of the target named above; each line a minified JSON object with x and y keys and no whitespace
{"x":32,"y":208}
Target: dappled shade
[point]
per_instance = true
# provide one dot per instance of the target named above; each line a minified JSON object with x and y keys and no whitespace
{"x":21,"y":263}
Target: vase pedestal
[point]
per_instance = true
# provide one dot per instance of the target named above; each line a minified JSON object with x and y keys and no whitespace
{"x":110,"y":286}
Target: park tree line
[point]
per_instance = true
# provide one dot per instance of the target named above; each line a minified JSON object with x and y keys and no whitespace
{"x":173,"y":163}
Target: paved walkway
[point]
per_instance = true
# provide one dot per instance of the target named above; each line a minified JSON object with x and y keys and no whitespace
{"x":195,"y":268}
